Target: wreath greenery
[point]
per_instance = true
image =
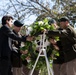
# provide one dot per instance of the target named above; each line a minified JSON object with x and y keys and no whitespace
{"x":36,"y":28}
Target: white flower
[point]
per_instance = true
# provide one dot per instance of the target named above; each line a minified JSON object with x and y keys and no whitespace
{"x":40,"y":22}
{"x":29,"y":29}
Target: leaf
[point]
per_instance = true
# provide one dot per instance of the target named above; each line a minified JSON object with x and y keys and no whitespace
{"x":37,"y":27}
{"x":23,"y":48}
{"x":23,"y":57}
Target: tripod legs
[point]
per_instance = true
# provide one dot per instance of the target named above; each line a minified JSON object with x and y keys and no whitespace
{"x":47,"y":62}
{"x":35,"y":62}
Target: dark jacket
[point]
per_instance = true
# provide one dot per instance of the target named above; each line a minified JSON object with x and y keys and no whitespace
{"x":5,"y":34}
{"x":15,"y":55}
{"x":67,"y":49}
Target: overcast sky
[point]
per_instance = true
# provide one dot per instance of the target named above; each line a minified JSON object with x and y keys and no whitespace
{"x":29,"y":21}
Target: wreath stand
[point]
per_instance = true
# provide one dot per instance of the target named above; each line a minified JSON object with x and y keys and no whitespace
{"x":42,"y":49}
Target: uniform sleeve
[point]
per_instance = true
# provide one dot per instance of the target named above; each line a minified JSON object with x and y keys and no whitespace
{"x":68,"y":33}
{"x":60,"y":33}
{"x":54,"y":33}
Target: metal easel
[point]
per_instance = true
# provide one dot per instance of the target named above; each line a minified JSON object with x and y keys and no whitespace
{"x":42,"y":49}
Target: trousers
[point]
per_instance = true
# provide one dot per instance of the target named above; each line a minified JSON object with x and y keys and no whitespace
{"x":17,"y":71}
{"x":68,"y":68}
{"x":5,"y":67}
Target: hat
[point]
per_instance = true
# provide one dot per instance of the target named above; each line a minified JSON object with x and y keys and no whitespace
{"x":18,"y":23}
{"x":63,"y":19}
{"x":51,"y":21}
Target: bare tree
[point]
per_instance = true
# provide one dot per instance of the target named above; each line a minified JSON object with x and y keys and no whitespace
{"x":23,"y":9}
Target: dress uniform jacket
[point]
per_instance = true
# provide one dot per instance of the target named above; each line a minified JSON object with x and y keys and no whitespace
{"x":67,"y":41}
{"x":15,"y":57}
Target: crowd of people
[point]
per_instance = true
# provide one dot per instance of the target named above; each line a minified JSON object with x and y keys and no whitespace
{"x":10,"y":42}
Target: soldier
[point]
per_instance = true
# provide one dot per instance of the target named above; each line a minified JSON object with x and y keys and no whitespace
{"x":15,"y":57}
{"x":67,"y":35}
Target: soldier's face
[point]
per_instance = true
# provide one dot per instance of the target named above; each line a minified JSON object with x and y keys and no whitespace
{"x":17,"y":29}
{"x":63,"y":24}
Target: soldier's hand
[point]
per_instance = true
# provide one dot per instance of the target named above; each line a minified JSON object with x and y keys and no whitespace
{"x":30,"y":38}
{"x":24,"y":52}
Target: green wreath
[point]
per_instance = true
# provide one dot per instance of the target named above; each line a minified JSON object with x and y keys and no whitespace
{"x":37,"y":27}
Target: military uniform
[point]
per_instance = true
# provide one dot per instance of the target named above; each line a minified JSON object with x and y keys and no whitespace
{"x":67,"y":44}
{"x":66,"y":62}
{"x":15,"y":57}
{"x":16,"y":60}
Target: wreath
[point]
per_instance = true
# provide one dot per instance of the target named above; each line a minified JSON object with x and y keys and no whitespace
{"x":31,"y":47}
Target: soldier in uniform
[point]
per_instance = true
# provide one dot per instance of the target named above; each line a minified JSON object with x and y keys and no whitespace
{"x":66,"y":64}
{"x":15,"y":57}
